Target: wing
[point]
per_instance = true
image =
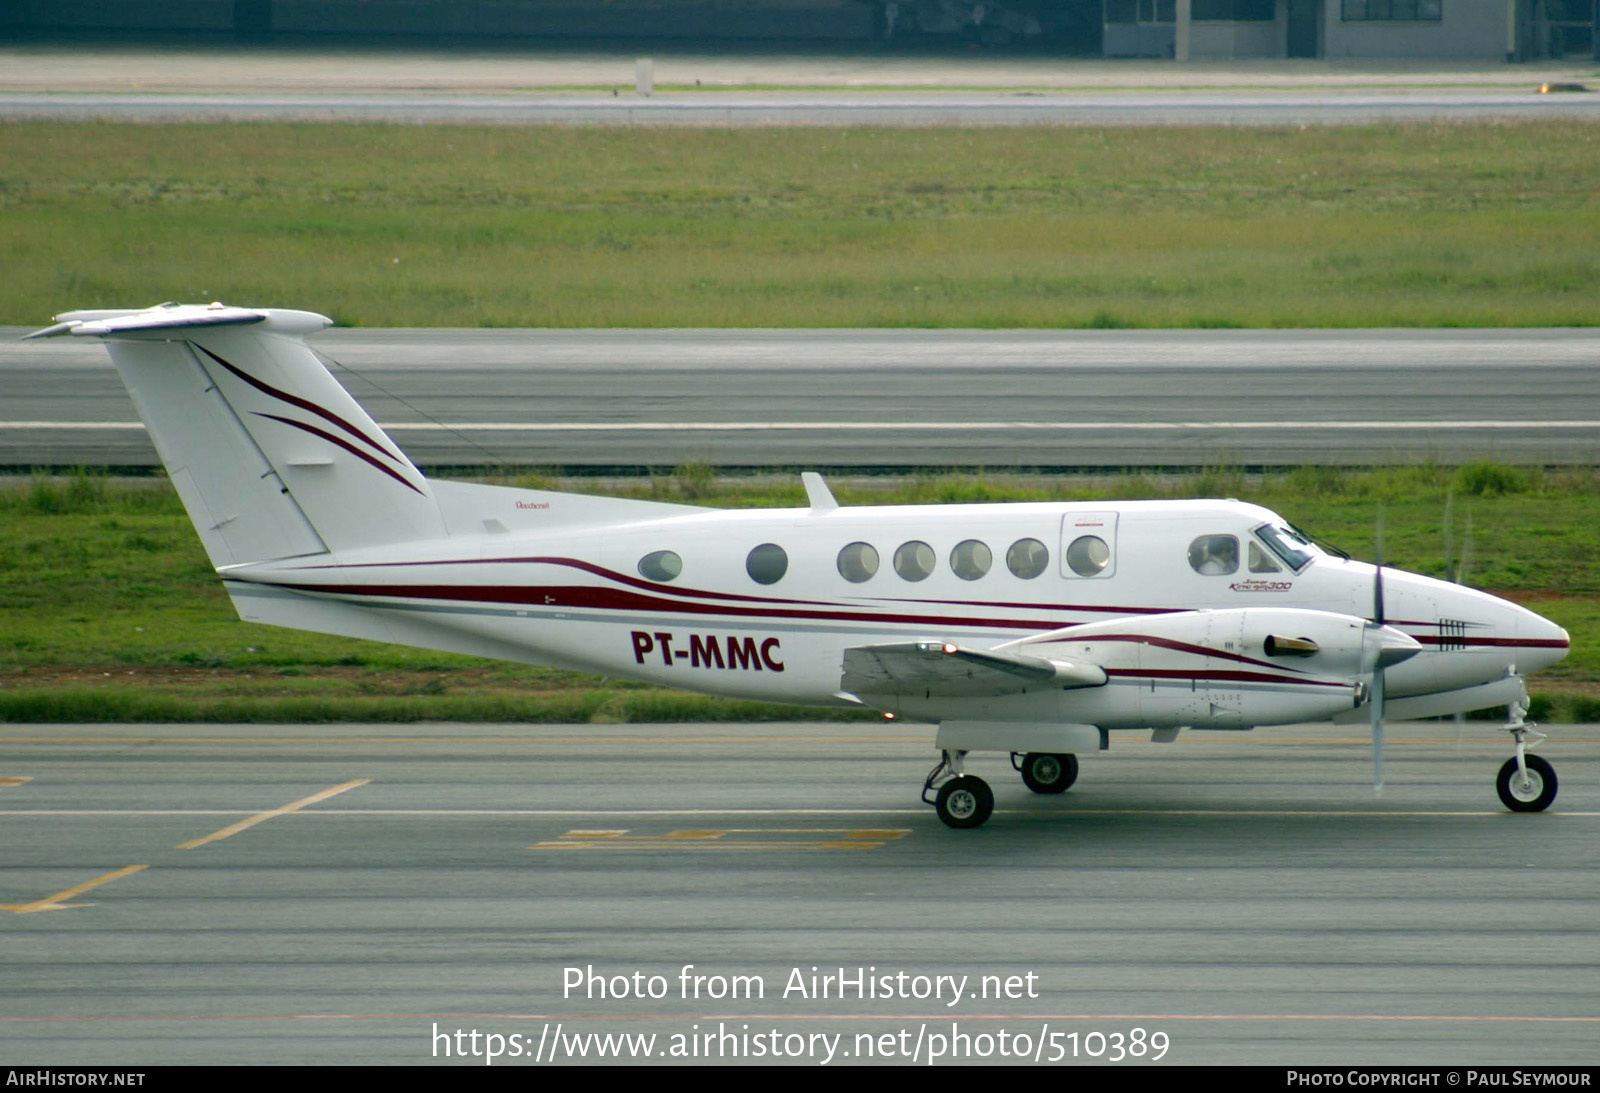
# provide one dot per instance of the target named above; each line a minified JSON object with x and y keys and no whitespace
{"x":948,"y":670}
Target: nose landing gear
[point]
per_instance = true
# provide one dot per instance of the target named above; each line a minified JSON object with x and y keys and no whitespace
{"x":1526,"y":783}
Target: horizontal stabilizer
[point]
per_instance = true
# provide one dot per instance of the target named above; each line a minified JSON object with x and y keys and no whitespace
{"x":101,"y":324}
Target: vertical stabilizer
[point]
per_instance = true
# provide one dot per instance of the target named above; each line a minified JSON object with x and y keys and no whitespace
{"x":271,"y":456}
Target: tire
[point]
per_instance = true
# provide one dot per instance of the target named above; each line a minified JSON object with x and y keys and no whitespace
{"x":966,"y":801}
{"x":1046,"y":773}
{"x":1536,"y":795}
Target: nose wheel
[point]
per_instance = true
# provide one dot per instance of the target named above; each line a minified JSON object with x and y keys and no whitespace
{"x":1526,"y":789}
{"x":1526,"y":783}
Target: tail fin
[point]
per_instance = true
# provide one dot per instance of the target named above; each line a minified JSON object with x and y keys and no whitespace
{"x":271,"y":456}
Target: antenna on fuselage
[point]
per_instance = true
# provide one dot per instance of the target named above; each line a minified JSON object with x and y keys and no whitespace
{"x":817,"y":492}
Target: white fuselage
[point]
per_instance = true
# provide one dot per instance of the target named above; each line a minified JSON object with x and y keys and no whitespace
{"x":577,"y":596}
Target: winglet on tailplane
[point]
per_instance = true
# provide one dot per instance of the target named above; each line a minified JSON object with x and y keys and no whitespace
{"x":271,"y":456}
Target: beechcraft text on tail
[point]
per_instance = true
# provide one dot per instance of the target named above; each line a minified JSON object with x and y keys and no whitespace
{"x":1039,"y":630}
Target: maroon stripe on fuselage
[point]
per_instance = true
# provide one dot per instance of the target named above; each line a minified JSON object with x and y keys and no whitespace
{"x":700,"y":593}
{"x":304,"y":404}
{"x":347,"y":446}
{"x":1176,"y":646}
{"x":587,"y":567}
{"x":611,"y":599}
{"x":1114,"y":610}
{"x":1226,"y":677}
{"x":1506,"y":643}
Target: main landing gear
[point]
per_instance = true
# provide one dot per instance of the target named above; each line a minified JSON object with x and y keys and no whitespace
{"x":1046,"y":773}
{"x":965,"y":800}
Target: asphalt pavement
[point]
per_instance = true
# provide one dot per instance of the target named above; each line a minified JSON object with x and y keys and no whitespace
{"x":339,"y":894}
{"x":875,"y":399}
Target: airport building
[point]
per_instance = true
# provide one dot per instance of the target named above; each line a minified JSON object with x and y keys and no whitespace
{"x":1421,"y":30}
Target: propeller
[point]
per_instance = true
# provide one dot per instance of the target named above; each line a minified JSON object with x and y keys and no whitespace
{"x":1377,"y":667}
{"x":1456,"y":570}
{"x":1389,"y":648}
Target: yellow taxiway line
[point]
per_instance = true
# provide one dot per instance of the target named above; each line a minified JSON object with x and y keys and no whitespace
{"x":263,"y":817}
{"x":58,"y":902}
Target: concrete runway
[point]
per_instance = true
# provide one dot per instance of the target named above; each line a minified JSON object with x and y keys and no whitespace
{"x":1245,"y":895}
{"x":529,"y":84}
{"x":891,"y":398}
{"x":899,"y":108}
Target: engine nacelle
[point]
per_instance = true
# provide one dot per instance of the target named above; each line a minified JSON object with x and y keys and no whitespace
{"x":1234,"y":668}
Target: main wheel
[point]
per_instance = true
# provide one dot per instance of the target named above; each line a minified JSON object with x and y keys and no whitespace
{"x":1532,"y":794}
{"x":1045,"y":773}
{"x":966,"y":801}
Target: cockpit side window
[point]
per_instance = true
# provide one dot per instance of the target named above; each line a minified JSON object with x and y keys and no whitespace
{"x":1261,"y":561}
{"x":1290,"y":548}
{"x":1214,"y":555}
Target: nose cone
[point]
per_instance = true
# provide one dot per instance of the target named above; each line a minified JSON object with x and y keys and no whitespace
{"x":1540,"y":642}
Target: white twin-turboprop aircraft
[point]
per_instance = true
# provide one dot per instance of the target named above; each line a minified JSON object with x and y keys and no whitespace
{"x":1033,"y":629}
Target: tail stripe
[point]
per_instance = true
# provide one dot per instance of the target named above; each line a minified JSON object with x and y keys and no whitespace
{"x":351,"y":448}
{"x":311,"y":407}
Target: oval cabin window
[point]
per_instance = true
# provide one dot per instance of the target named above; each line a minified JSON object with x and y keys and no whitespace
{"x":661,"y":565}
{"x":970,"y":560}
{"x":858,"y":562}
{"x":914,"y":560}
{"x":767,"y":564}
{"x":1088,"y":556}
{"x":1027,"y":558}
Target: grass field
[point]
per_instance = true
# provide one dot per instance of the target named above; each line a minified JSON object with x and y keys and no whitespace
{"x":110,"y":611}
{"x":1402,"y":225}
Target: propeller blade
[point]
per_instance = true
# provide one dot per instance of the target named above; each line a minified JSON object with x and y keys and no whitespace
{"x":1450,"y":565}
{"x":1377,"y":668}
{"x":1377,"y":730}
{"x":1377,"y":576}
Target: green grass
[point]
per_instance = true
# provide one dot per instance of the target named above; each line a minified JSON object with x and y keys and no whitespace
{"x":109,"y":610}
{"x":1416,"y":225}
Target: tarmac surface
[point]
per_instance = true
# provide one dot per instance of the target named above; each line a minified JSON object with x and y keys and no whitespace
{"x":356,"y":67}
{"x":879,"y":399}
{"x":891,"y":108}
{"x":212,"y":81}
{"x":339,"y":894}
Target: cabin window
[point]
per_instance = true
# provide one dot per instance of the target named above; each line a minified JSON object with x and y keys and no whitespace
{"x":914,"y":560}
{"x":1214,"y":555}
{"x":858,"y":562}
{"x":1027,"y":558}
{"x":662,"y":565}
{"x":970,"y":560}
{"x":767,"y":564}
{"x":1088,"y":556}
{"x":1261,"y":562}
